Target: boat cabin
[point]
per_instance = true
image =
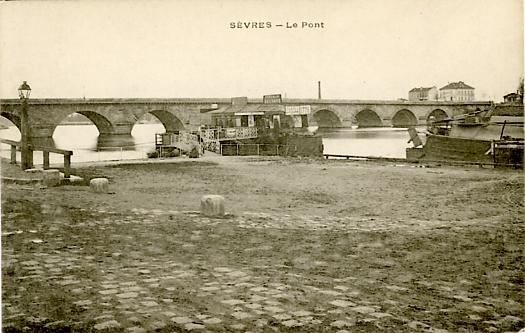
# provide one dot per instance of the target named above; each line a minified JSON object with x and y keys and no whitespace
{"x":269,"y":115}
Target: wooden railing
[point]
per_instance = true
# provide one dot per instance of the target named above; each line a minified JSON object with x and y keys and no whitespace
{"x":45,"y":150}
{"x":230,"y":133}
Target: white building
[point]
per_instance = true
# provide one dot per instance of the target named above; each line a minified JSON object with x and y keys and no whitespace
{"x":423,"y":94}
{"x":457,"y":92}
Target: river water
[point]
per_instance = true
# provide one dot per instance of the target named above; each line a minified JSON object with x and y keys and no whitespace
{"x":88,"y":146}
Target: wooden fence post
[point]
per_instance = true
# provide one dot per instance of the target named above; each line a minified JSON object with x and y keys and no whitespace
{"x":13,"y":154}
{"x":30,"y":156}
{"x":67,"y":165}
{"x":46,"y":159}
{"x":493,"y":148}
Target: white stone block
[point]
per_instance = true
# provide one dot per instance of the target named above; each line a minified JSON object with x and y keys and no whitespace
{"x":33,"y":170}
{"x":99,"y":185}
{"x":51,"y":178}
{"x":212,"y":205}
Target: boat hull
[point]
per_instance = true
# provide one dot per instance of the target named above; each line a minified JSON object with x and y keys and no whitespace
{"x":442,"y":148}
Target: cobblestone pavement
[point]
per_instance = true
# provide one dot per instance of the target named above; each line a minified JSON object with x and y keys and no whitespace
{"x":163,"y":270}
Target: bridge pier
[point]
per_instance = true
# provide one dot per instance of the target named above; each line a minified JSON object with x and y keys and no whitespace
{"x":120,"y":129}
{"x":386,"y":122}
{"x":47,"y":130}
{"x":41,"y":130}
{"x":346,"y":123}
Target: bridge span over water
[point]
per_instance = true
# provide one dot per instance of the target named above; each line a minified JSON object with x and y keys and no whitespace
{"x":118,"y":116}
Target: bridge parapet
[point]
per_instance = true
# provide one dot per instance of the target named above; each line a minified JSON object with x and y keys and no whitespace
{"x":118,"y":116}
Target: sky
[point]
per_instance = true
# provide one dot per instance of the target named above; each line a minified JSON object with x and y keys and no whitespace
{"x":360,"y":49}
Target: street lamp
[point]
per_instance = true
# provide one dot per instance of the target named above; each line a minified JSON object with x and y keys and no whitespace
{"x":24,"y":91}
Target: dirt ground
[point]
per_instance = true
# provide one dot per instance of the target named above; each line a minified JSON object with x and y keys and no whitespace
{"x":307,"y":246}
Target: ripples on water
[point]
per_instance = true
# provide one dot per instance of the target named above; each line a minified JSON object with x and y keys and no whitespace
{"x":87,"y":145}
{"x":376,"y":142}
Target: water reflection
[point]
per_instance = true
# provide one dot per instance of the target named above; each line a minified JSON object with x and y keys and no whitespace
{"x":126,"y":142}
{"x":88,"y":145}
{"x":377,"y":142}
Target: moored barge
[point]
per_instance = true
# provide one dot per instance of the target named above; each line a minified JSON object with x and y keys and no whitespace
{"x":477,"y":138}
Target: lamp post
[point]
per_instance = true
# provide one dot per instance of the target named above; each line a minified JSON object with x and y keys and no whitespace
{"x":23,"y":92}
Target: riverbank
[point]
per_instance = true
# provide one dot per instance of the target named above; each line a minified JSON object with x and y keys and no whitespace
{"x":309,"y":245}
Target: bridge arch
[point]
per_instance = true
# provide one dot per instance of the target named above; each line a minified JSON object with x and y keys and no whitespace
{"x":12,"y":118}
{"x":104,"y":126}
{"x":404,"y":118}
{"x":170,"y":122}
{"x":327,"y":119}
{"x":438,"y":114}
{"x":368,"y":118}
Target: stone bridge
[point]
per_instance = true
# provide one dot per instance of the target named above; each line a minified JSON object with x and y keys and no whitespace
{"x":118,"y":116}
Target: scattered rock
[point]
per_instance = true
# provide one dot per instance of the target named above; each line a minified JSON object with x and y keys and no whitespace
{"x":417,"y":325}
{"x":127,"y":295}
{"x":107,"y":324}
{"x":212,"y":205}
{"x":511,"y":323}
{"x":55,"y":326}
{"x":397,"y":288}
{"x":99,"y":185}
{"x":363,"y":309}
{"x":342,"y":288}
{"x":462,"y":298}
{"x":282,"y":316}
{"x":273,"y":309}
{"x":301,"y":313}
{"x":241,"y":315}
{"x":34,"y":170}
{"x":51,"y":178}
{"x":149,"y":304}
{"x":330,"y":292}
{"x":292,"y":323}
{"x":380,"y":314}
{"x":212,"y":321}
{"x":233,"y":301}
{"x":192,"y":326}
{"x":342,"y":303}
{"x":238,"y":326}
{"x":181,"y":320}
{"x":107,"y":316}
{"x":341,"y":323}
{"x":157,"y":325}
{"x":475,"y":317}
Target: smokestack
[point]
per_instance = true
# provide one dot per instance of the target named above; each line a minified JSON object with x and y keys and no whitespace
{"x":319,"y":88}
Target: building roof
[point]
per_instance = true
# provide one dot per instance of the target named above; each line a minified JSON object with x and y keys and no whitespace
{"x":250,"y":108}
{"x":456,"y":85}
{"x":421,"y":89}
{"x":511,"y":94}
